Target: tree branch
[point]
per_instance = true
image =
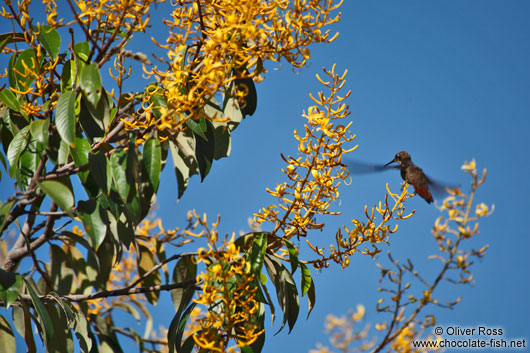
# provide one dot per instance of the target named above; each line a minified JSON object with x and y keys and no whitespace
{"x":112,"y":293}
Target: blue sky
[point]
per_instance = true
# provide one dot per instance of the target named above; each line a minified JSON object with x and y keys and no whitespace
{"x":447,"y":81}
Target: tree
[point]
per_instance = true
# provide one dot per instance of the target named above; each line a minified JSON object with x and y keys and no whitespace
{"x":86,"y":154}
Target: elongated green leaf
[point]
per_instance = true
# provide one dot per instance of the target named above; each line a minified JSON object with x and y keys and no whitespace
{"x":17,"y":145}
{"x":184,"y":167}
{"x":61,"y":276}
{"x":90,"y":81}
{"x":204,"y":151}
{"x":122,"y":181}
{"x":7,"y":337}
{"x":94,"y":219}
{"x":10,"y":37}
{"x":187,"y":346}
{"x":293,"y":255}
{"x":146,"y":262}
{"x":10,"y":99}
{"x":82,"y":332}
{"x":60,"y":193}
{"x":176,"y":329}
{"x":185,"y":269}
{"x":151,"y":160}
{"x":232,"y":112}
{"x":285,"y":290}
{"x":62,"y":338}
{"x":22,"y":322}
{"x":50,"y":39}
{"x":100,"y":169}
{"x":308,"y":287}
{"x":258,"y":252}
{"x":42,"y":313}
{"x":39,"y":131}
{"x":197,"y":126}
{"x":4,"y":211}
{"x":65,"y":117}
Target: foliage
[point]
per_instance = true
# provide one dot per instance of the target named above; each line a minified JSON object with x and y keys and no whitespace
{"x":407,"y":322}
{"x":86,"y":150}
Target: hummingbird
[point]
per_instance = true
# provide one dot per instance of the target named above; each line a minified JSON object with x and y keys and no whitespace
{"x":410,"y":173}
{"x":413,"y":175}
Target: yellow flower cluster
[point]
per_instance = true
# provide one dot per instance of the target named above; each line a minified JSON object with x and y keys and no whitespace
{"x":403,"y":342}
{"x":227,"y":294}
{"x":114,"y":15}
{"x":214,"y":42}
{"x":314,"y":177}
{"x":372,"y":231}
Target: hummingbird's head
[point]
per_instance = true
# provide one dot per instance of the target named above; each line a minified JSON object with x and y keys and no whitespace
{"x":400,"y":158}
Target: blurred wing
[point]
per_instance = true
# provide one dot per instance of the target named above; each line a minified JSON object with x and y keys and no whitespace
{"x":356,"y":167}
{"x":438,"y":188}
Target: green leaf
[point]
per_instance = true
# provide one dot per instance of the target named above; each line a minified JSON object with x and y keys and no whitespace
{"x":146,"y":261}
{"x":81,"y":330}
{"x":61,"y":276}
{"x":204,"y":151}
{"x":285,"y":290}
{"x":7,"y":337}
{"x":94,"y":219}
{"x":306,"y":279}
{"x":10,"y":287}
{"x":62,"y":338}
{"x":122,"y":179}
{"x":10,"y":99}
{"x":90,"y":82}
{"x":4,"y":211}
{"x":197,"y":126}
{"x":10,"y":37}
{"x":17,"y":145}
{"x":100,"y":170}
{"x":232,"y":112}
{"x":293,"y":255}
{"x":257,"y":252}
{"x":151,"y":160}
{"x":92,"y":126}
{"x":308,"y":287}
{"x":39,"y":131}
{"x":82,"y":49}
{"x":67,"y":76}
{"x":65,"y":117}
{"x":42,"y":313}
{"x":50,"y":39}
{"x":185,"y":269}
{"x":60,"y":193}
{"x":23,"y":325}
{"x":187,"y":346}
{"x":176,"y":329}
{"x":184,"y":165}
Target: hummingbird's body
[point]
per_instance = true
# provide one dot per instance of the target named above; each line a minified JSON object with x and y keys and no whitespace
{"x":413,"y":175}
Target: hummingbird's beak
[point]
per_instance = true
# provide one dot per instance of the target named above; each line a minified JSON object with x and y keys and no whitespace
{"x":392,"y":161}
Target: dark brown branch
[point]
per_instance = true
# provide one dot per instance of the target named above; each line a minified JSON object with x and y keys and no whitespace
{"x":112,"y":293}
